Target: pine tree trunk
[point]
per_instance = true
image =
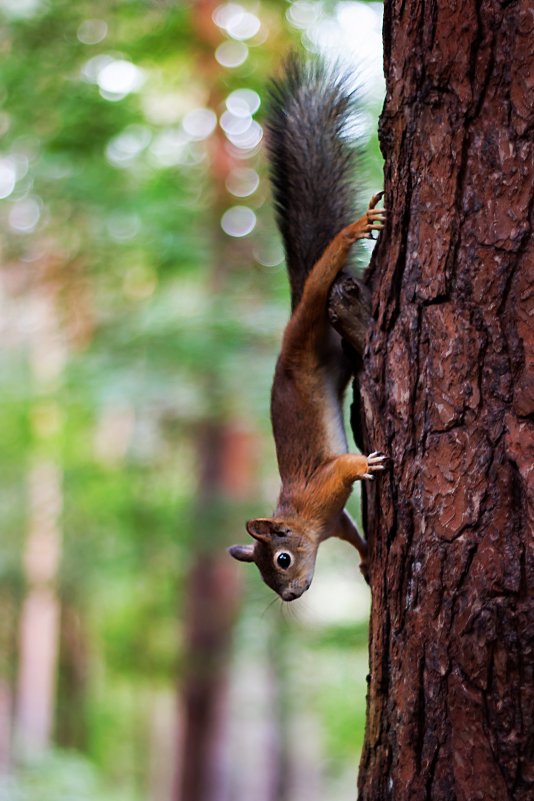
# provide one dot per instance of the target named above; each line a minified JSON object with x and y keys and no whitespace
{"x":226,"y":460}
{"x":73,"y":677}
{"x":212,"y":596}
{"x":39,"y":618}
{"x":447,"y":393}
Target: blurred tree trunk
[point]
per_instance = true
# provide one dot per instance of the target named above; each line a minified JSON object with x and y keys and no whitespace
{"x":39,"y":621}
{"x":448,"y":390}
{"x":226,"y":458}
{"x":5,"y":726}
{"x":211,"y":591}
{"x":211,"y":603}
{"x":7,"y":643}
{"x":39,"y":624}
{"x":71,"y":726}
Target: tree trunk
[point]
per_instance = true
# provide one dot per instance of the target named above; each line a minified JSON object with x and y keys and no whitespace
{"x":226,"y":457}
{"x":448,"y":396}
{"x":211,"y":603}
{"x":39,"y":618}
{"x":73,"y":675}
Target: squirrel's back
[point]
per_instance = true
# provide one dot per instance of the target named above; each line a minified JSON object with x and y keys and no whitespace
{"x":312,"y":161}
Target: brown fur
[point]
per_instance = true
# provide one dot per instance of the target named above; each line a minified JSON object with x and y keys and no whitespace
{"x":306,"y":409}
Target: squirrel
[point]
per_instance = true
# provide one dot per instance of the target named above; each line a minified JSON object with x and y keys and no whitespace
{"x":312,"y":181}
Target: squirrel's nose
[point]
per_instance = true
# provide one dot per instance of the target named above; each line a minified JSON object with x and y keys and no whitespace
{"x":291,"y":595}
{"x":288,"y":595}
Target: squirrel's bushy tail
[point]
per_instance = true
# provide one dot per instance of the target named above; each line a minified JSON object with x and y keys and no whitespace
{"x":312,"y":161}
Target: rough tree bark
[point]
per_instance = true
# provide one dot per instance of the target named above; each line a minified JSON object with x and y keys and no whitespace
{"x":448,"y":393}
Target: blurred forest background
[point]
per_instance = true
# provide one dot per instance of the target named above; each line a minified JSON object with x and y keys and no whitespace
{"x":143,"y":295}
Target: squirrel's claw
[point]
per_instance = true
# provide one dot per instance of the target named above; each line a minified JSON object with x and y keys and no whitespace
{"x":374,"y":218}
{"x":376,"y":461}
{"x":376,"y":199}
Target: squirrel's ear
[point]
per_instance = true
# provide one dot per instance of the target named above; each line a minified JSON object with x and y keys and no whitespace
{"x":243,"y":553}
{"x":260,"y":528}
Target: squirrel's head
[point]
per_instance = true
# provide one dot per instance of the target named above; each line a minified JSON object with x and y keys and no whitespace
{"x":285,"y":556}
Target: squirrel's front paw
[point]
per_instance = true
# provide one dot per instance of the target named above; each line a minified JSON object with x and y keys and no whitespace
{"x":372,"y":220}
{"x":375,"y":462}
{"x":375,"y":217}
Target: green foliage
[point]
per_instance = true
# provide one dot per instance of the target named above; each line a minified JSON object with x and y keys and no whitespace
{"x":61,"y":775}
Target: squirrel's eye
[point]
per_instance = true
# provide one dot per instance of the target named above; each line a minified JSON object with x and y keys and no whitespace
{"x":283,"y":560}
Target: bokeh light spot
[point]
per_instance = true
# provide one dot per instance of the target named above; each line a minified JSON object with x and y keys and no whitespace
{"x":233,"y":125}
{"x":269,"y":254}
{"x":118,"y":78}
{"x":94,"y":66}
{"x":125,"y":147}
{"x":25,"y":214}
{"x":238,"y":221}
{"x":92,"y":31}
{"x":123,"y":227}
{"x":249,"y":139}
{"x":170,"y":147}
{"x":228,"y":14}
{"x":8,"y":177}
{"x":200,"y":123}
{"x":243,"y":102}
{"x":302,"y":14}
{"x":242,"y":181}
{"x":243,"y":27}
{"x":231,"y":54}
{"x":22,"y":9}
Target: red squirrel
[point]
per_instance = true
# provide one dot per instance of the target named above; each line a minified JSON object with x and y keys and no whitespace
{"x":311,"y":175}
